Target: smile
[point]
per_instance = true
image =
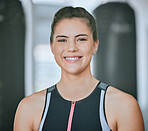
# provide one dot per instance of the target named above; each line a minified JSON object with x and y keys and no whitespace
{"x":72,"y":59}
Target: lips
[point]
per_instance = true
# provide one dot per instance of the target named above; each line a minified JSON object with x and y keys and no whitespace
{"x":72,"y":59}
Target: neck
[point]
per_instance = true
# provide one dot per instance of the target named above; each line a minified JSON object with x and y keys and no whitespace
{"x":76,"y":87}
{"x":74,"y":81}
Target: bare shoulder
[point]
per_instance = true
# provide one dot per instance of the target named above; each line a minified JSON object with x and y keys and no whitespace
{"x":126,"y":113}
{"x":116,"y":96}
{"x":29,"y":112}
{"x":33,"y":100}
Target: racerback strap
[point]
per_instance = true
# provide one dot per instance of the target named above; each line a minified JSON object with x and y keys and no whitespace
{"x":104,"y":124}
{"x":47,"y":103}
{"x":50,"y":89}
{"x":103,"y":86}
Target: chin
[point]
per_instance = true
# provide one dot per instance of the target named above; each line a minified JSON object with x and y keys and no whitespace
{"x":75,"y":71}
{"x":72,"y":72}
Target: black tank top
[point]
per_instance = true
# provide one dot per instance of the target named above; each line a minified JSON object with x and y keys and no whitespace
{"x":84,"y":115}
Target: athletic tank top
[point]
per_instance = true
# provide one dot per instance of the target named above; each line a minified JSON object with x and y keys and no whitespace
{"x":87,"y":114}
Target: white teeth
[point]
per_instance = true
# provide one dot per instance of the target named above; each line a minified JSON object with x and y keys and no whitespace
{"x":71,"y":58}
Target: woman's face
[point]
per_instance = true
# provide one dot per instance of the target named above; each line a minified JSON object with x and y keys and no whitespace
{"x":73,"y":45}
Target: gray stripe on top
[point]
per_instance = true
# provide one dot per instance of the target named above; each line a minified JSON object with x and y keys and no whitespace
{"x":104,"y":123}
{"x":45,"y":112}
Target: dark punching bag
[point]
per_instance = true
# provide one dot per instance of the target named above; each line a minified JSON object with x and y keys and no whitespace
{"x":115,"y":60}
{"x":12,"y":37}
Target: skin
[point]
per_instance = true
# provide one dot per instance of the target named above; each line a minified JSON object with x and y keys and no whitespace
{"x":73,"y":47}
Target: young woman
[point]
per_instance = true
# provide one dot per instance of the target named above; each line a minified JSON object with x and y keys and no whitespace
{"x":78,"y":102}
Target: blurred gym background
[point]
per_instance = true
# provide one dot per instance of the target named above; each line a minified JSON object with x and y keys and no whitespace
{"x":27,"y":64}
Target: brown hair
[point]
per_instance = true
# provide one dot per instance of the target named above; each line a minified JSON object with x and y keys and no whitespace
{"x":71,"y":12}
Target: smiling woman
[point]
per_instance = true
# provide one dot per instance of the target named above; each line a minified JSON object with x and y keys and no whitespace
{"x":78,"y":101}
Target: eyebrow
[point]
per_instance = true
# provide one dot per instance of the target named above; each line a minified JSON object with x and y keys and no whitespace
{"x":61,"y":36}
{"x":81,"y":35}
{"x":68,"y":37}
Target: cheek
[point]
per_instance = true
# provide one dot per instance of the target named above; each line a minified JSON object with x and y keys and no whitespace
{"x":57,"y":55}
{"x":58,"y":51}
{"x":88,"y":49}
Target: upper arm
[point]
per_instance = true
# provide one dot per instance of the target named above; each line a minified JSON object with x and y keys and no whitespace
{"x":22,"y":121}
{"x":122,"y":111}
{"x":29,"y":112}
{"x":129,"y":116}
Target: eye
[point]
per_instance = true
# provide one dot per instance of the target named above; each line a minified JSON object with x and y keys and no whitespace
{"x":82,"y":39}
{"x":62,"y":40}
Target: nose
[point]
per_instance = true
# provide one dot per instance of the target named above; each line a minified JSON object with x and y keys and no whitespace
{"x":72,"y":47}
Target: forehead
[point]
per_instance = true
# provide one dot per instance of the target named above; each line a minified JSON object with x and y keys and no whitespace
{"x":72,"y":26}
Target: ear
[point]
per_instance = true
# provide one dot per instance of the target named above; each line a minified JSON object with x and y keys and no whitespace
{"x":52,"y":47}
{"x":95,"y":48}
